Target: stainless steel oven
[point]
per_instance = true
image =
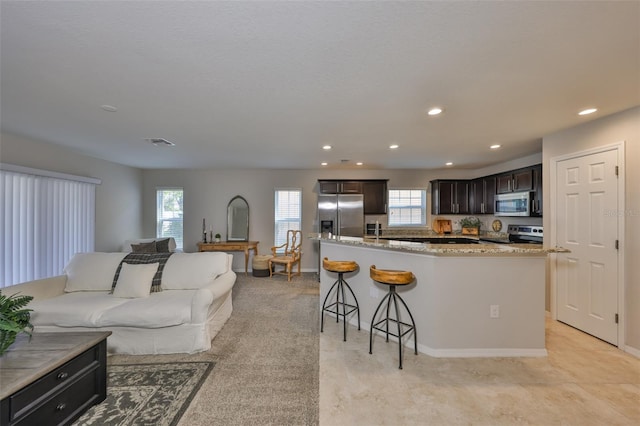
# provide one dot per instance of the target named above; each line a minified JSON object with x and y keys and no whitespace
{"x":513,"y":204}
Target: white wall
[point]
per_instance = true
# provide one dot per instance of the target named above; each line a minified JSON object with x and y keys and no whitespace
{"x":118,"y":198}
{"x":624,"y":126}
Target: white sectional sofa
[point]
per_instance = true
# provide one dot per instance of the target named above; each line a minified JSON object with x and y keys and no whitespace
{"x":193,"y":303}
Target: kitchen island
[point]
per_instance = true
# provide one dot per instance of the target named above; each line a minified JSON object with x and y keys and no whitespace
{"x":457,"y":287}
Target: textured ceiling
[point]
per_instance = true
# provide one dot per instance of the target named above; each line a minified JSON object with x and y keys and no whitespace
{"x":266,"y":84}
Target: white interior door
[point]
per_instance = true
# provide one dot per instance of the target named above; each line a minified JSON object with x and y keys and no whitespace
{"x":587,"y":224}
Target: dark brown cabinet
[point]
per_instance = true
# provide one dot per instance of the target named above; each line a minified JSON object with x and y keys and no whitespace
{"x":482,"y":193}
{"x":536,"y":208}
{"x":515,"y":181}
{"x":449,"y":197}
{"x":374,"y":192}
{"x":340,"y":186}
{"x":375,"y":196}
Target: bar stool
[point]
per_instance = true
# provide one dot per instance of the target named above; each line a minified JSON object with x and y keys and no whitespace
{"x":340,"y":266}
{"x":392,"y":278}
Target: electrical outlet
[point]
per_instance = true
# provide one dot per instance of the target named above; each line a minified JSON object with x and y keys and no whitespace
{"x":494,"y":311}
{"x":373,"y":292}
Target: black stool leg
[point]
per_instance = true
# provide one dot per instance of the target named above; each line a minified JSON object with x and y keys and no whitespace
{"x":339,"y":286}
{"x":413,"y":324}
{"x":356,"y":300}
{"x":394,"y":296}
{"x":373,"y":321}
{"x":324,"y":304}
{"x":344,"y":309}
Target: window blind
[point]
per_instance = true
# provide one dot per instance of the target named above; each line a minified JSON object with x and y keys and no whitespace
{"x":287,"y":214}
{"x":170,"y":214}
{"x":44,"y":220}
{"x":407,"y":207}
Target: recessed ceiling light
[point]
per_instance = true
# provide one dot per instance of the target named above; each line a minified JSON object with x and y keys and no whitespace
{"x":587,"y":111}
{"x":496,"y":146}
{"x":449,"y":164}
{"x":109,"y":108}
{"x":359,"y":163}
{"x":435,"y":111}
{"x":326,"y":147}
{"x":394,"y":146}
{"x":323,"y":163}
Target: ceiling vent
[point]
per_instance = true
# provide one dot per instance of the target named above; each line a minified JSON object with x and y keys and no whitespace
{"x":160,"y":142}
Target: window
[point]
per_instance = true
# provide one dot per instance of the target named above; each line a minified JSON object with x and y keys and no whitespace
{"x":407,"y":207}
{"x":288,"y":213}
{"x":170,"y":214}
{"x":45,"y":218}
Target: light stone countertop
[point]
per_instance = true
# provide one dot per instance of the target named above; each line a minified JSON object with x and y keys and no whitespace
{"x":480,"y":249}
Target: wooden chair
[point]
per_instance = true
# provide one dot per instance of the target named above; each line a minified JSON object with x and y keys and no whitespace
{"x":287,"y":254}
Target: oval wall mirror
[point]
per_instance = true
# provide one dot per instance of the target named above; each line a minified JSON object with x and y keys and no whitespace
{"x":238,"y":219}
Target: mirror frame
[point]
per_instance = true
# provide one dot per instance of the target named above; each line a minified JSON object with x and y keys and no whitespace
{"x":230,"y":219}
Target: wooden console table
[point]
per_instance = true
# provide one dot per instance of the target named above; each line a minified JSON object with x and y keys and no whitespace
{"x":53,"y":378}
{"x":244,"y":246}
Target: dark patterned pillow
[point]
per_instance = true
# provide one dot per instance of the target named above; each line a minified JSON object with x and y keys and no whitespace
{"x":144,"y":247}
{"x":162,"y":246}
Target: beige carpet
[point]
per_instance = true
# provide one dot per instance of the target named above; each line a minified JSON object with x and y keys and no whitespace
{"x":267,"y":357}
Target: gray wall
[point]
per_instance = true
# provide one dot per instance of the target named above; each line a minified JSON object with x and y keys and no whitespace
{"x":118,"y":198}
{"x":207,"y":192}
{"x":624,"y":126}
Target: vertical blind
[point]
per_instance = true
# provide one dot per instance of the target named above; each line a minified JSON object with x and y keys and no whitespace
{"x":287,"y":214}
{"x":44,"y":221}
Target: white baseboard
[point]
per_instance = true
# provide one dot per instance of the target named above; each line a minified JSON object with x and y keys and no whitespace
{"x":457,"y":353}
{"x":633,"y":351}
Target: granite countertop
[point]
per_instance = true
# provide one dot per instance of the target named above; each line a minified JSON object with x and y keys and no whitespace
{"x":479,"y":249}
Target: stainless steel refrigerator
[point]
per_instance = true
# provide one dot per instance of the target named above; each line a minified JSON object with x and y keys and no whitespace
{"x":341,"y":214}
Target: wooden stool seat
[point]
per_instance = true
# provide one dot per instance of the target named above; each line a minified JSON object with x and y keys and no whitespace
{"x":339,"y":265}
{"x":390,"y":276}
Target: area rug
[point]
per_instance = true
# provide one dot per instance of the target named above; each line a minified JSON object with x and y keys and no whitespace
{"x":149,"y":394}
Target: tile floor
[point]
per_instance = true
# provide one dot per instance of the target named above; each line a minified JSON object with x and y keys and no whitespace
{"x":583,"y":381}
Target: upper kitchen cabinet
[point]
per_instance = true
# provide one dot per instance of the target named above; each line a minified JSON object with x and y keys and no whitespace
{"x":374,"y":192}
{"x":340,"y":186}
{"x":515,"y":181}
{"x":449,"y":197}
{"x":536,"y":209}
{"x":482,"y":193}
{"x":375,"y":196}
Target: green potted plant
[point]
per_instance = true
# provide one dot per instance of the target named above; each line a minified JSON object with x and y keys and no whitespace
{"x":470,"y":225}
{"x":218,"y":238}
{"x":14,"y":319}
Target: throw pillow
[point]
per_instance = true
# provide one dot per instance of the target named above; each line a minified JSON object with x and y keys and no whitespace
{"x":145,"y":247}
{"x":162,"y":246}
{"x":135,"y":280}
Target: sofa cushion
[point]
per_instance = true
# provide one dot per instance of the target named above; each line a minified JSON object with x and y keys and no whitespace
{"x":135,"y":280}
{"x":79,"y":309}
{"x":193,"y":270}
{"x":164,"y":309}
{"x":91,"y":271}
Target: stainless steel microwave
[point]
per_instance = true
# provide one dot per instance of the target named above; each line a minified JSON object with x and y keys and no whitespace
{"x":513,"y":204}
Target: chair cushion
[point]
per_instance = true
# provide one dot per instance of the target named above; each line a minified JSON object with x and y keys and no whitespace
{"x":78,"y":309}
